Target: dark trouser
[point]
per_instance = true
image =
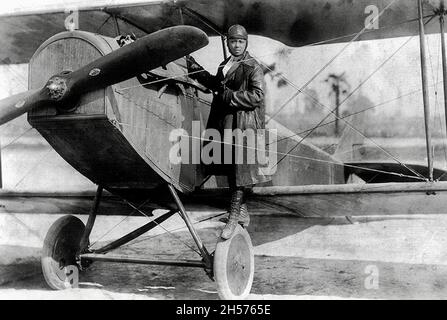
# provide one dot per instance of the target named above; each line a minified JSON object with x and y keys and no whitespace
{"x":234,"y":187}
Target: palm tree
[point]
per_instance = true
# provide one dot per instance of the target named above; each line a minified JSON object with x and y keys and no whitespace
{"x":339,"y":86}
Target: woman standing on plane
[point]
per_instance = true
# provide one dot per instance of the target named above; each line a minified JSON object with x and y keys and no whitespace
{"x":238,"y":103}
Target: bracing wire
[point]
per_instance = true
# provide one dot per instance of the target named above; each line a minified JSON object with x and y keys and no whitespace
{"x":350,"y":94}
{"x":166,"y":230}
{"x":300,"y":90}
{"x":355,"y":113}
{"x":437,"y":107}
{"x":147,"y":238}
{"x":273,"y":53}
{"x":290,"y":155}
{"x":383,"y":103}
{"x":16,"y":138}
{"x":436,"y":113}
{"x":116,"y":225}
{"x":332,"y":111}
{"x":33,"y":167}
{"x":439,"y":113}
{"x":353,"y":128}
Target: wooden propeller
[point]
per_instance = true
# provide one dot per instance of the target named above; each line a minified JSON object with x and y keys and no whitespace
{"x":150,"y":52}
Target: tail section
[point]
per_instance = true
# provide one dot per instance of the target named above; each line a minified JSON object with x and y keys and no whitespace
{"x":352,"y":138}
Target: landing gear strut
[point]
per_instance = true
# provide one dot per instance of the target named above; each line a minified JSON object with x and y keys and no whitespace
{"x":66,"y":245}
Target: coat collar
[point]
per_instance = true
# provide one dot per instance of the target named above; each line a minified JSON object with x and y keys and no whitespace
{"x":237,"y":64}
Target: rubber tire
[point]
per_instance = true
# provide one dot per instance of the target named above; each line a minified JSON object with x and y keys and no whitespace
{"x":234,"y":265}
{"x":59,"y":250}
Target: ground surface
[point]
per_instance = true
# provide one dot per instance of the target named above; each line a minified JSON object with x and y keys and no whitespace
{"x":365,"y":258}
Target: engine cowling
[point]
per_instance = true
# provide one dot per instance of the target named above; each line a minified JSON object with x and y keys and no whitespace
{"x":119,"y":136}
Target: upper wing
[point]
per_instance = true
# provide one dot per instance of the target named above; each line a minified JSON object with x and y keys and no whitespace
{"x":20,"y":36}
{"x":293,"y":22}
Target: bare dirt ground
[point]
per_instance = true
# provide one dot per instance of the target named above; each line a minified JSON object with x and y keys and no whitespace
{"x":295,"y":258}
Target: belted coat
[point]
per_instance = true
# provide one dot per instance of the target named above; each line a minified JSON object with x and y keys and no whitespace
{"x":238,"y":103}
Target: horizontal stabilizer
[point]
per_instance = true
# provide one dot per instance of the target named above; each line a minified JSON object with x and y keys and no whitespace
{"x":383,"y":172}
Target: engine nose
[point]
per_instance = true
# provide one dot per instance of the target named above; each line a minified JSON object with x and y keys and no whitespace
{"x":58,"y":91}
{"x":57,"y":88}
{"x":54,"y":60}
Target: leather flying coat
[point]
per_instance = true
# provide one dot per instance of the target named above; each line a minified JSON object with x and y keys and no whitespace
{"x":238,"y":104}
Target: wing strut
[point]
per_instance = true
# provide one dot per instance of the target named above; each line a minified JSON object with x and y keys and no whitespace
{"x":425,"y":90}
{"x":214,"y":28}
{"x":116,"y":25}
{"x":442,"y":13}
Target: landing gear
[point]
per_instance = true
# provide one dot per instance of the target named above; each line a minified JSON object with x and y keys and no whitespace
{"x":65,"y":240}
{"x":234,"y":265}
{"x":59,"y":252}
{"x":66,"y":250}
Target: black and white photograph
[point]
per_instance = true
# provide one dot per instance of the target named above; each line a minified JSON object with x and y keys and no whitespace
{"x":250,"y":150}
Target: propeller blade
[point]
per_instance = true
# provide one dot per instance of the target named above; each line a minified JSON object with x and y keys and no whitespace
{"x":18,"y":104}
{"x":150,"y":52}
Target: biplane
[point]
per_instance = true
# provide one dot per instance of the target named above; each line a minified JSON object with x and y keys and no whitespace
{"x":109,"y":111}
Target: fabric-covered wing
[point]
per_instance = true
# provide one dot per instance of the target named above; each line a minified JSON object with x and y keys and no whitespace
{"x":20,"y":36}
{"x":293,"y":22}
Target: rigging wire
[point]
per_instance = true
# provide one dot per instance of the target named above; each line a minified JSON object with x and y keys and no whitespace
{"x":300,"y":90}
{"x":352,"y":127}
{"x":391,"y":26}
{"x":160,"y":80}
{"x":166,"y":230}
{"x":436,"y":113}
{"x":119,"y":223}
{"x":332,"y":111}
{"x":147,"y":238}
{"x":364,"y":168}
{"x":380,"y":171}
{"x":18,"y":77}
{"x":413,"y":92}
{"x":167,"y":78}
{"x":355,"y":113}
{"x":17,"y":138}
{"x":290,"y":155}
{"x":33,"y":167}
{"x":439,"y":114}
{"x":358,"y":35}
{"x":290,"y":83}
{"x":357,"y":88}
{"x":432,"y":119}
{"x":270,"y":54}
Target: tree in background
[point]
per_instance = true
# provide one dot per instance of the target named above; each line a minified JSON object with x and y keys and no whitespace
{"x":339,"y":86}
{"x":274,"y":75}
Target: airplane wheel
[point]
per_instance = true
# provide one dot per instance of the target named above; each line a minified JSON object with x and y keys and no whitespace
{"x":234,"y":265}
{"x":58,"y":259}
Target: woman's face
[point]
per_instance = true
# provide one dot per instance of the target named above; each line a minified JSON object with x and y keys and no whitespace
{"x":237,"y":46}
